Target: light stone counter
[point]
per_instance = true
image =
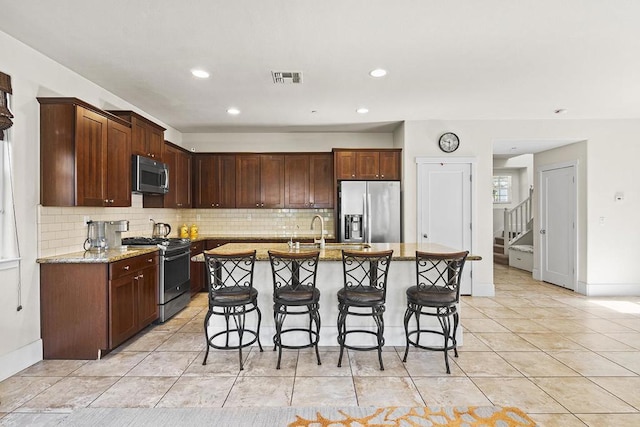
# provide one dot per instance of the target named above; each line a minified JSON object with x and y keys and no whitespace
{"x":329,"y":280}
{"x":88,"y":257}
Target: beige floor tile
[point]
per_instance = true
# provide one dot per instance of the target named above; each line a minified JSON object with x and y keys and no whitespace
{"x":605,"y":326}
{"x":552,"y":341}
{"x":617,"y":420}
{"x":482,"y":325}
{"x":523,"y":325}
{"x":469,"y":312}
{"x":261,"y":391}
{"x":387,"y":391}
{"x":308,"y":364}
{"x":562,"y":325}
{"x":470,"y":342}
{"x":556,"y":420}
{"x":366,"y":364}
{"x":16,"y":391}
{"x":424,"y":363}
{"x":172,"y":325}
{"x":127,"y":392}
{"x":518,"y":392}
{"x":450,"y":391}
{"x":112,"y":365}
{"x":599,"y":342}
{"x":163,"y":364}
{"x":479,"y":302}
{"x":197,"y":392}
{"x":180,"y":341}
{"x":633,"y":323}
{"x":18,"y":419}
{"x":190,"y":312}
{"x":220,"y":363}
{"x":628,"y":359}
{"x":537,"y":364}
{"x":486,"y":364}
{"x":629,"y":338}
{"x":323,"y":391}
{"x":580,"y":395}
{"x":627,"y":389}
{"x":52,"y":368}
{"x":501,"y":313}
{"x":263,"y":364}
{"x":505,"y":341}
{"x":193,"y":326}
{"x":148,"y":341}
{"x":535,"y":312}
{"x":592,"y":364}
{"x":70,"y":393}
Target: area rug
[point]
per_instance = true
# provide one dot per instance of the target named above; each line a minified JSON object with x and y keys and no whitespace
{"x":459,"y":416}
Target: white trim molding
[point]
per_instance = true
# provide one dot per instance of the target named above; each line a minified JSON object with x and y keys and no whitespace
{"x":17,"y":360}
{"x":608,"y":289}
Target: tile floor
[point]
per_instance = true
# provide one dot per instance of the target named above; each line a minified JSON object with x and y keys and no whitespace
{"x":565,"y":359}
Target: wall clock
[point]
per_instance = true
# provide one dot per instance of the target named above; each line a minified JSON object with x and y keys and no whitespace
{"x":449,"y":142}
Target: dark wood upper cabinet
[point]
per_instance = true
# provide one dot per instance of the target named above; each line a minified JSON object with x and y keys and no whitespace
{"x":179,"y":196}
{"x":368,"y":164}
{"x":214,"y":181}
{"x":85,"y":155}
{"x":259,"y":181}
{"x":309,"y":181}
{"x":147,"y":137}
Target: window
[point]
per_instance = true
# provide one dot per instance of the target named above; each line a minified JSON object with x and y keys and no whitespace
{"x":502,"y":189}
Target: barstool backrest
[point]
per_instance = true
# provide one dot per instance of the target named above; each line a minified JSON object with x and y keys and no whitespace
{"x":366,"y":270}
{"x":294,"y":270}
{"x":229,"y":270}
{"x":440,"y":272}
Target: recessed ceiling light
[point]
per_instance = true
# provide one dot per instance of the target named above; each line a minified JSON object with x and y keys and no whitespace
{"x":233,"y":111}
{"x":560,"y":111}
{"x":378,"y":72}
{"x":201,"y":74}
{"x":362,"y":110}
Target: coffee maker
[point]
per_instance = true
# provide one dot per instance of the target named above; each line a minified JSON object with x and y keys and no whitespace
{"x":114,"y":231}
{"x":96,"y":236}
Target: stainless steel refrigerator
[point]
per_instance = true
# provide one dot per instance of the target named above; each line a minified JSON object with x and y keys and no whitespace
{"x":370,"y":212}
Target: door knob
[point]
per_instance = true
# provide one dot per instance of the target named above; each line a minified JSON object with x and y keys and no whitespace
{"x":543,"y":231}
{"x":425,"y":236}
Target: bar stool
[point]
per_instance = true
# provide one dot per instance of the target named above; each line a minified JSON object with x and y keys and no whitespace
{"x":232,"y":295}
{"x":364,"y":294}
{"x":436,"y":294}
{"x":295,"y":293}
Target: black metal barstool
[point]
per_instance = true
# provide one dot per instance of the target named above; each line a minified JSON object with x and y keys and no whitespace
{"x":231,"y":294}
{"x":436,"y":294}
{"x":295,"y":293}
{"x":364,"y":294}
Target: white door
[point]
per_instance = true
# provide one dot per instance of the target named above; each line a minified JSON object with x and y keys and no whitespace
{"x":557,"y":226}
{"x":444,"y":209}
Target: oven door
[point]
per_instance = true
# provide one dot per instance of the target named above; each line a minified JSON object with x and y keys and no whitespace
{"x":176,"y":267}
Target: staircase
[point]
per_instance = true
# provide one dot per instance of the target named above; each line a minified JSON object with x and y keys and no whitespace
{"x":499,"y":256}
{"x":518,"y":223}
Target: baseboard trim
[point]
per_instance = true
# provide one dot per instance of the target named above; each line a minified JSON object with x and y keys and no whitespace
{"x":17,"y":360}
{"x":535,"y":274}
{"x":483,"y":290}
{"x":608,"y":289}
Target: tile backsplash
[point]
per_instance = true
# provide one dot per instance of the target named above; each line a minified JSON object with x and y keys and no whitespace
{"x":62,"y":229}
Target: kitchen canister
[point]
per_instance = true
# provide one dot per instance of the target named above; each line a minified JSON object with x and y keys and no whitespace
{"x":193,"y":232}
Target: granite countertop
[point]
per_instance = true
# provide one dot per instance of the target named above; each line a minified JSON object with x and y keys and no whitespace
{"x":87,"y":257}
{"x":258,"y":238}
{"x":333,"y":252}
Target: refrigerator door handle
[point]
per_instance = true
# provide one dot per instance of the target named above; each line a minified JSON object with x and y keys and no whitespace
{"x":369,"y":231}
{"x":365,"y":216}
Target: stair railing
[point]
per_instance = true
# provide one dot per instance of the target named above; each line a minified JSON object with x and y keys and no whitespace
{"x":517,"y":221}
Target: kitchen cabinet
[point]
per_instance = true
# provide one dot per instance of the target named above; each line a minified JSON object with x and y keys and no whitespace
{"x":368,"y":164}
{"x":179,"y":196}
{"x":85,"y":155}
{"x":198,"y":279}
{"x":88,"y":309}
{"x":214,"y":181}
{"x":260,"y":181}
{"x":147,"y":137}
{"x":308,"y":181}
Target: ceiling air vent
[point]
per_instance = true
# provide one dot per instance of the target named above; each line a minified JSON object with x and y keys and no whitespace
{"x":286,"y":77}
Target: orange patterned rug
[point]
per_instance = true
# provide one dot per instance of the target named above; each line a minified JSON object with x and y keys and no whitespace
{"x":462,"y":416}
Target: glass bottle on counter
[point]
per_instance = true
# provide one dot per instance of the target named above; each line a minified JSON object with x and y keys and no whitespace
{"x":193,"y":232}
{"x":184,"y":231}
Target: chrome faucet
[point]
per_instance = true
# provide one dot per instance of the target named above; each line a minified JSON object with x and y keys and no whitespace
{"x":321,"y":239}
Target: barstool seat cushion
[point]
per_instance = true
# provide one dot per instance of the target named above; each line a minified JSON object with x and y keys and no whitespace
{"x":363,"y":297}
{"x":302,"y":294}
{"x":236,"y":295}
{"x":431,"y":298}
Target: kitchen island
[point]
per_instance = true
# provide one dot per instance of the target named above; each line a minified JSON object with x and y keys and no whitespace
{"x":329,"y":280}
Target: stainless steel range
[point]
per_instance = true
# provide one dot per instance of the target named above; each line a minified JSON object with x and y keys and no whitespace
{"x":174,"y":285}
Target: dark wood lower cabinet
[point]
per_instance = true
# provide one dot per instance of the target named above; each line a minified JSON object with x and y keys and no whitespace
{"x":86,"y":310}
{"x":197,"y":277}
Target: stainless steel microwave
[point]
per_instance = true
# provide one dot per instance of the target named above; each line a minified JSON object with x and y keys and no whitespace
{"x":149,"y":176}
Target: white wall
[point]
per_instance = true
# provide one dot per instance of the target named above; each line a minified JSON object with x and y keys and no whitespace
{"x":33,"y":75}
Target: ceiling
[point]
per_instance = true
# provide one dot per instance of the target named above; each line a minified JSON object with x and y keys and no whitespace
{"x":446,"y":60}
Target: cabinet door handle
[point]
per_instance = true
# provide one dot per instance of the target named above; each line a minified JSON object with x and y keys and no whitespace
{"x":382,"y":176}
{"x":106,"y":200}
{"x":110,"y":200}
{"x":353,"y":175}
{"x":150,"y":260}
{"x":126,"y":267}
{"x":141,"y":276}
{"x":257,"y":205}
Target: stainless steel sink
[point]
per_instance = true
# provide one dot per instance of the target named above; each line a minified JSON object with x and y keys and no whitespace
{"x":336,"y":246}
